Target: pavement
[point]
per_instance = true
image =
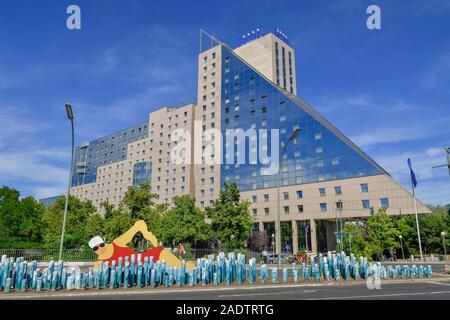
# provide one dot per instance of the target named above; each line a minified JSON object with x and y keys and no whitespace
{"x":435,"y":288}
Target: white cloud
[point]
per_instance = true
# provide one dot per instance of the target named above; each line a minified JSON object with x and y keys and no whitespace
{"x":432,"y":152}
{"x":47,"y":192}
{"x":438,"y":72}
{"x":433,"y":184}
{"x":107,"y":61}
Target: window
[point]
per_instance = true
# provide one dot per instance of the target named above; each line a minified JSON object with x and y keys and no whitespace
{"x":319,"y":163}
{"x":254,"y":199}
{"x":319,"y":149}
{"x":318,"y":135}
{"x":364,"y":187}
{"x":286,"y":209}
{"x":263,"y":110}
{"x":299,"y":194}
{"x":286,"y":195}
{"x":384,"y":202}
{"x":337,"y":190}
{"x":255,"y":211}
{"x":339,"y":205}
{"x":266,"y":197}
{"x":266,"y":211}
{"x":335,"y":161}
{"x":322,"y":192}
{"x":323,"y":207}
{"x":300,"y":208}
{"x":366,"y":204}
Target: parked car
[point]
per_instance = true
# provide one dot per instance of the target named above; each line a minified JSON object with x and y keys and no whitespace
{"x":273,"y":258}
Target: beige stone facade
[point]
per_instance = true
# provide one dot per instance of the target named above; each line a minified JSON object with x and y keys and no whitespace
{"x":207,"y":114}
{"x":263,"y":53}
{"x":168,"y":179}
{"x":303,"y":202}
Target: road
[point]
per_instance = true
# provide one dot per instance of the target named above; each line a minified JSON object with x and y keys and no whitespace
{"x":391,"y":290}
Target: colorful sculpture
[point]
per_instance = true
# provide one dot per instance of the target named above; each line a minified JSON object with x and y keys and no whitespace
{"x":108,"y":252}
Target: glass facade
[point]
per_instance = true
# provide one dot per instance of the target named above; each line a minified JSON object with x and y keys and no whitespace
{"x":303,"y":235}
{"x":49,"y":201}
{"x":319,"y":153}
{"x":142,"y":172}
{"x":110,"y":149}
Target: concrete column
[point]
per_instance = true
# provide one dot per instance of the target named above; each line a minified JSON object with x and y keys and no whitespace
{"x":331,"y":237}
{"x":294,"y":237}
{"x":312,"y":224}
{"x":261,"y":226}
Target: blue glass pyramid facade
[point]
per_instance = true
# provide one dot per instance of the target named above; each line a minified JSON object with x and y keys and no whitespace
{"x":319,"y":153}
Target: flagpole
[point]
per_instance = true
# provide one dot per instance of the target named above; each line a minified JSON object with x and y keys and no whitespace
{"x":417,"y":221}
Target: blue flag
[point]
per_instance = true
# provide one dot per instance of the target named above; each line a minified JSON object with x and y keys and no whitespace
{"x":413,"y":176}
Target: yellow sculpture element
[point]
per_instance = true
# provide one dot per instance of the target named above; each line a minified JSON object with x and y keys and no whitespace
{"x":119,"y":247}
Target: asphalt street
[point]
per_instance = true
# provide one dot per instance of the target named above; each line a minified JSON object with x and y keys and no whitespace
{"x":435,"y":289}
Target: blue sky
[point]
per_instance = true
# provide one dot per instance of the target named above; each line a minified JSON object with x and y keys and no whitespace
{"x":388,"y":89}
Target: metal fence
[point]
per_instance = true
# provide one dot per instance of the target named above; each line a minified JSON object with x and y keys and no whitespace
{"x":45,"y":255}
{"x":87,"y":255}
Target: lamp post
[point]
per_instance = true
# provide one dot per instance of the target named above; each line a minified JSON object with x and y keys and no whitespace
{"x":277,"y":224}
{"x":273,"y":245}
{"x":401,"y":244}
{"x":443,"y":234}
{"x":70,"y":117}
{"x":350,"y":242}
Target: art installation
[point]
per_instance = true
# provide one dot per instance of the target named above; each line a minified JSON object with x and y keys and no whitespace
{"x":109,"y":252}
{"x":139,"y":270}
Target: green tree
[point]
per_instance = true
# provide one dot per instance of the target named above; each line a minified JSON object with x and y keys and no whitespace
{"x":382,"y":232}
{"x":119,"y":222}
{"x":184,"y":222}
{"x":95,"y":225}
{"x":21,"y":223}
{"x":431,"y":225}
{"x":231,"y":220}
{"x":141,"y":206}
{"x":358,"y":237}
{"x":78,"y":214}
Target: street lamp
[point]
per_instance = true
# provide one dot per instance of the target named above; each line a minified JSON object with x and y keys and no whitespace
{"x":273,"y":244}
{"x":401,"y":244}
{"x":443,"y":234}
{"x":70,"y":117}
{"x":277,"y":224}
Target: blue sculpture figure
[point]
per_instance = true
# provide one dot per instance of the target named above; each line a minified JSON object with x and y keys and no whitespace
{"x":78,"y":280}
{"x":84,"y":281}
{"x":55,"y":281}
{"x":7,"y":285}
{"x":304,"y":272}
{"x":285,"y":275}
{"x":153,"y":278}
{"x":63,"y":279}
{"x":139,"y":275}
{"x":252,"y":270}
{"x":274,"y":275}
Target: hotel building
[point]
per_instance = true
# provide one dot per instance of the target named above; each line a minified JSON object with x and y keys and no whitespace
{"x":324,"y":177}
